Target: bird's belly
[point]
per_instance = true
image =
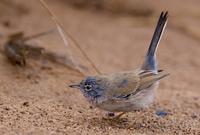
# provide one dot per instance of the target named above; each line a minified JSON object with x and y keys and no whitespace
{"x":135,"y":102}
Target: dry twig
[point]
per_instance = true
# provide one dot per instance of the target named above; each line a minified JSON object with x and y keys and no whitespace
{"x":62,"y":34}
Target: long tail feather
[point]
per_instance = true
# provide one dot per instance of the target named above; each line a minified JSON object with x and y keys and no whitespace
{"x":150,"y":61}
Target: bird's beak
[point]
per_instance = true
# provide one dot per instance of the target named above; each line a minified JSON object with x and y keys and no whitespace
{"x":75,"y":86}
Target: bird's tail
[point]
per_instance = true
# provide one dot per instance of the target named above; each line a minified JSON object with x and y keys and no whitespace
{"x":150,"y":60}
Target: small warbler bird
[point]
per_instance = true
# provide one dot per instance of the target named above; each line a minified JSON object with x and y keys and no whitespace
{"x":128,"y":90}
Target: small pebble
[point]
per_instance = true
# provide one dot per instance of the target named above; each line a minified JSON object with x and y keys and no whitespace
{"x":194,"y":116}
{"x":80,"y":111}
{"x":6,"y":108}
{"x":26,"y":104}
{"x":111,"y":114}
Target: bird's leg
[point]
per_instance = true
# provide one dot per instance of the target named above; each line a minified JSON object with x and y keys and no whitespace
{"x":119,"y":115}
{"x":111,"y":116}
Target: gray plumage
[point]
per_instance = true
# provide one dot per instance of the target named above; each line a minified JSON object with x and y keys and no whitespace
{"x":129,"y":90}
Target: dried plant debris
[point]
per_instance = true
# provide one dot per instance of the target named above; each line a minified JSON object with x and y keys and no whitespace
{"x":19,"y":52}
{"x":133,"y":8}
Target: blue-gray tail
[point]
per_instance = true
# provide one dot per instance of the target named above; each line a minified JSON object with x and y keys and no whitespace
{"x":150,"y":60}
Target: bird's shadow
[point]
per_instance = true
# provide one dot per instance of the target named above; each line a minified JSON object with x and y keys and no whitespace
{"x":122,"y":123}
{"x":141,"y":121}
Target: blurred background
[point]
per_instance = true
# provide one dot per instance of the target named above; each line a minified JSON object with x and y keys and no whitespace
{"x":115,"y":34}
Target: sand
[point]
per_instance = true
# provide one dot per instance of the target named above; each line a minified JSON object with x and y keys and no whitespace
{"x":36,"y":100}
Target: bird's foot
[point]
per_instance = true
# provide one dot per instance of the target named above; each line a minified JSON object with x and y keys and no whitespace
{"x":119,"y":115}
{"x":111,"y":116}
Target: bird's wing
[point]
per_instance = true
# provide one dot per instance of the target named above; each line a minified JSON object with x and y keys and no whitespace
{"x":147,"y":78}
{"x":128,"y":83}
{"x":123,"y":84}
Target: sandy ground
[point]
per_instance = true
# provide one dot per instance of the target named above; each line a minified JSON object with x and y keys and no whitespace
{"x":36,"y":100}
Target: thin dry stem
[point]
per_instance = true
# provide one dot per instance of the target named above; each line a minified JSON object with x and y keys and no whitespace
{"x":62,"y":34}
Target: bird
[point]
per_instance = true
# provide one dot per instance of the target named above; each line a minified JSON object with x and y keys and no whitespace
{"x":127,"y":91}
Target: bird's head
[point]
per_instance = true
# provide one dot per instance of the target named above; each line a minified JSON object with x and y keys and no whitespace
{"x":91,"y":87}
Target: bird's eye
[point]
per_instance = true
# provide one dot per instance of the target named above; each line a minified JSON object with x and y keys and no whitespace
{"x":88,"y":87}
